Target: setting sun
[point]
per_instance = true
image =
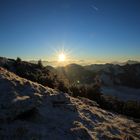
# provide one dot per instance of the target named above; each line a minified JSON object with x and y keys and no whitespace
{"x":61,"y":57}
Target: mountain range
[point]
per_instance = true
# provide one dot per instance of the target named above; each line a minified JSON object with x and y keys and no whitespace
{"x":122,"y":81}
{"x":83,"y":63}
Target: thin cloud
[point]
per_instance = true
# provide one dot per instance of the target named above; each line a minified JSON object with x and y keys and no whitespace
{"x":94,"y":7}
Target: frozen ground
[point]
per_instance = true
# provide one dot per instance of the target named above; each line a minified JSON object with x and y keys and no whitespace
{"x":33,"y":112}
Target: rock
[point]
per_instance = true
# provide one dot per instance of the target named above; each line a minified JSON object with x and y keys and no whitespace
{"x":81,"y":134}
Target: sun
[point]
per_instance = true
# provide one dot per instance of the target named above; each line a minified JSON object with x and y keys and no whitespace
{"x":61,"y":57}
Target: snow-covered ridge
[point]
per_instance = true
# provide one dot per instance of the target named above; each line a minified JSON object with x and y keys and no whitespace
{"x":31,"y":111}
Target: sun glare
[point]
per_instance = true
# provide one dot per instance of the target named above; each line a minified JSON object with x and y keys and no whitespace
{"x":61,"y":57}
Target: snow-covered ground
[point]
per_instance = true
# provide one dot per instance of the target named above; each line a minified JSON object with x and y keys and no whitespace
{"x":33,"y":112}
{"x":121,"y":92}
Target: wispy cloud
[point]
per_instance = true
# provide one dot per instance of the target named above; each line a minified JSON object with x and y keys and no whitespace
{"x":94,"y":7}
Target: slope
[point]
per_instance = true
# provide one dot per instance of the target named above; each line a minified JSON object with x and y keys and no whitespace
{"x":31,"y":111}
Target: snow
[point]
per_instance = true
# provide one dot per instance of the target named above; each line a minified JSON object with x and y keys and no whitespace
{"x":55,"y":115}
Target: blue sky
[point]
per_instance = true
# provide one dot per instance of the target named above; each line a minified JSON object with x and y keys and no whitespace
{"x":91,"y":30}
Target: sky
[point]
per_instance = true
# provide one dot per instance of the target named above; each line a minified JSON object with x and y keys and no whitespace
{"x":86,"y":30}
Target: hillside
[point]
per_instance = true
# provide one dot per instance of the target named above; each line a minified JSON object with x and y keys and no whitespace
{"x":31,"y":111}
{"x":119,"y":81}
{"x":76,"y":74}
{"x":46,"y":76}
{"x":122,"y":82}
{"x":109,"y":75}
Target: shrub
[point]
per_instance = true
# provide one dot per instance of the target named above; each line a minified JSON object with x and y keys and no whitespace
{"x":18,"y":60}
{"x":91,"y":92}
{"x":132,"y":108}
{"x":40,"y":65}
